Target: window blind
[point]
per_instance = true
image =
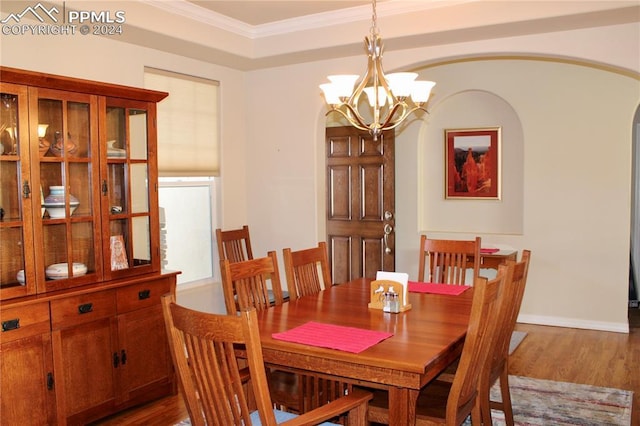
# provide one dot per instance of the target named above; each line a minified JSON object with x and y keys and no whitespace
{"x":188,"y":122}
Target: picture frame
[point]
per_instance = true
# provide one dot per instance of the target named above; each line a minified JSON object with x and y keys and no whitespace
{"x":472,"y":163}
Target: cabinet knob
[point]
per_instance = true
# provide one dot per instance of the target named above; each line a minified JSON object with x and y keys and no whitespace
{"x":85,"y":308}
{"x":12,"y":324}
{"x":26,"y":190}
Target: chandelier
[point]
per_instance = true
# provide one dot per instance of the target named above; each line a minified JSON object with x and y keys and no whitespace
{"x":392,"y":98}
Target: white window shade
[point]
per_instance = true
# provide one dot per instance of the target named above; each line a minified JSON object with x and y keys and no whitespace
{"x":187,"y":124}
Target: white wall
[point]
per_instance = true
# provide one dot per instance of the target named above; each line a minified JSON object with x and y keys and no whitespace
{"x":575,"y":150}
{"x":574,"y":216}
{"x":575,"y":157}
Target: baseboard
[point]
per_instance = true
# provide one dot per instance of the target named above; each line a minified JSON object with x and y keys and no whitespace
{"x":574,"y":323}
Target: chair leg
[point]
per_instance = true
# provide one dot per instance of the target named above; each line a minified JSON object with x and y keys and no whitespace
{"x":506,"y":396}
{"x":476,"y":414}
{"x":484,"y":404}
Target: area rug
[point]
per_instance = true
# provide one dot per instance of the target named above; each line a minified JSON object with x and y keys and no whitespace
{"x":539,"y":402}
{"x":544,"y":402}
{"x":516,"y":338}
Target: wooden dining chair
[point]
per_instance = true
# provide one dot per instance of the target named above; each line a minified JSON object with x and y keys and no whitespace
{"x":251,"y":283}
{"x":234,"y":244}
{"x":307,"y":270}
{"x":447,"y":261}
{"x":509,"y":308}
{"x":204,"y":352}
{"x":256,"y":284}
{"x":443,"y":403}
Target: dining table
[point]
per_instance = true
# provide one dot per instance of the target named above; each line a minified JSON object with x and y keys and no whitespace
{"x":422,"y":341}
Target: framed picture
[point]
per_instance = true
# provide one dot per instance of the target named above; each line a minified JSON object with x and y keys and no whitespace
{"x":472,"y":163}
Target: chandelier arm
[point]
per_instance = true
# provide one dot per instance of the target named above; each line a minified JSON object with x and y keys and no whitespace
{"x":352,"y":118}
{"x":382,"y":80}
{"x":355,"y":96}
{"x":392,"y":112}
{"x":397,"y":123}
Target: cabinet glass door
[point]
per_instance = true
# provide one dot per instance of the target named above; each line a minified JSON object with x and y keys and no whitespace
{"x":127,"y":184}
{"x":66,"y":169}
{"x":17,"y":271}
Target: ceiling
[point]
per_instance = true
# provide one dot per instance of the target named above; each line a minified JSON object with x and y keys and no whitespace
{"x":254,"y":12}
{"x":257,"y":34}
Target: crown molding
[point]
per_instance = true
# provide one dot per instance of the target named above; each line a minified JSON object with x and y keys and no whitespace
{"x":287,"y":26}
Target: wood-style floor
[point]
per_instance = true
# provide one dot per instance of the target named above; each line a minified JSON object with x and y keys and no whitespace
{"x":563,"y":354}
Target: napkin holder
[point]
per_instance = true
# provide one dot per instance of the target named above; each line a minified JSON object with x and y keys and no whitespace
{"x":380,"y":287}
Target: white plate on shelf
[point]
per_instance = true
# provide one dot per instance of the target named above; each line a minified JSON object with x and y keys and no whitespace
{"x":116,"y":153}
{"x":59,"y":271}
{"x":20,"y":276}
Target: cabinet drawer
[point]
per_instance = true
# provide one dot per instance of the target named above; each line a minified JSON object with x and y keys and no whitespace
{"x":82,"y":308}
{"x":142,"y":295}
{"x":25,"y":321}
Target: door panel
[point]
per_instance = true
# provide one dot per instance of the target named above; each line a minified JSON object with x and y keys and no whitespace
{"x":360,"y":190}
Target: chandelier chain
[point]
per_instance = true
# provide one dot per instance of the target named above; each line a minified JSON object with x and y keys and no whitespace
{"x":374,"y":19}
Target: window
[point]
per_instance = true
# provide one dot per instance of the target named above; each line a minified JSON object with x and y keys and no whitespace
{"x":187,"y":215}
{"x":187,"y":164}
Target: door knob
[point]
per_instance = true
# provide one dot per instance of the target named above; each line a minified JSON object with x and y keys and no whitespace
{"x":388,"y":229}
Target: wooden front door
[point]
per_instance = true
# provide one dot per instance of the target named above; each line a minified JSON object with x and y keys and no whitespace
{"x":360,"y":203}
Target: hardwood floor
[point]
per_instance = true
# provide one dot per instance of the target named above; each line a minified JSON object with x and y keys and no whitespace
{"x":564,"y":354}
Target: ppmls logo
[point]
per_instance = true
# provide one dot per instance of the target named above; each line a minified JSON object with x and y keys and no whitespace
{"x":37,"y":11}
{"x":52,"y":22}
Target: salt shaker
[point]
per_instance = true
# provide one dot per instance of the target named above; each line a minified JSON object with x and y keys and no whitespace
{"x":386,"y":306}
{"x":395,"y":303}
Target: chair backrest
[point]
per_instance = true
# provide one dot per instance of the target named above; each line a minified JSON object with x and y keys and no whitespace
{"x":479,"y":340}
{"x":246,"y":284}
{"x":203,"y":351}
{"x":234,"y":245}
{"x":510,"y":302}
{"x":448,"y":260}
{"x":307,"y":270}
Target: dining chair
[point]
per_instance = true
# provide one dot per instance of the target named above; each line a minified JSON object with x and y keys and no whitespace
{"x":234,"y":244}
{"x":307,"y":270}
{"x":443,"y":403}
{"x":448,"y":260}
{"x":204,"y":352}
{"x":509,"y":308}
{"x":251,"y":283}
{"x":246,"y":285}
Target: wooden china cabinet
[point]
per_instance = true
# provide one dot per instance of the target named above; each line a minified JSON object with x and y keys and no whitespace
{"x":82,"y":334}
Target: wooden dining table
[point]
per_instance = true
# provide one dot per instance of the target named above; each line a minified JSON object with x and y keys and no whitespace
{"x":426,"y":339}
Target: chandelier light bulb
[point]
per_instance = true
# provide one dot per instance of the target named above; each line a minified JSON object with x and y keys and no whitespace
{"x":382,"y":96}
{"x":421,"y":90}
{"x":401,"y":83}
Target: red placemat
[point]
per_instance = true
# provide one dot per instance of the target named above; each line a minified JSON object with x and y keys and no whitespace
{"x":416,"y":287}
{"x":489,"y":250}
{"x":348,"y":339}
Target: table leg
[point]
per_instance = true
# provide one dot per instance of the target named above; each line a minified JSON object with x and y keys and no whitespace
{"x":402,"y":406}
